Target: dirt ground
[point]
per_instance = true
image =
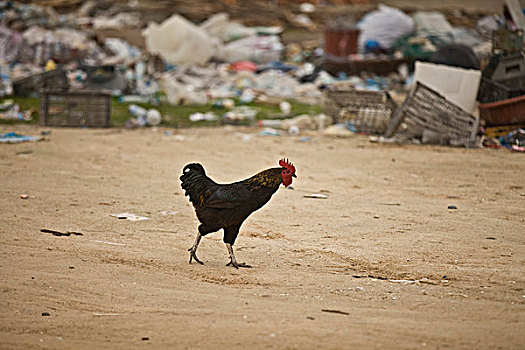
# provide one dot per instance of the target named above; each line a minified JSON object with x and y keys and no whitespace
{"x":128,"y":285}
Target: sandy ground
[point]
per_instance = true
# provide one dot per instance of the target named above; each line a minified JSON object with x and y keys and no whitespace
{"x":128,"y":285}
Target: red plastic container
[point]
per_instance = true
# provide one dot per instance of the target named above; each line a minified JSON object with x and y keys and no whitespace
{"x":341,"y":42}
{"x":504,"y":112}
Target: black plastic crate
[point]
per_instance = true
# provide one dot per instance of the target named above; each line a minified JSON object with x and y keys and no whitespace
{"x":492,"y":91}
{"x":54,"y":80}
{"x":507,"y":70}
{"x":362,"y":111}
{"x":75,"y":108}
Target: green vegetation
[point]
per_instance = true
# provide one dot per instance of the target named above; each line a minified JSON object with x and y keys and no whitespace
{"x":173,"y":116}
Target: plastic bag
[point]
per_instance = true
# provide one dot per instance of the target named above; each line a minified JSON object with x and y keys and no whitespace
{"x":384,"y":26}
{"x":178,"y":41}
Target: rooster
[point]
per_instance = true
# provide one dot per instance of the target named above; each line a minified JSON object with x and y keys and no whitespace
{"x":226,"y":206}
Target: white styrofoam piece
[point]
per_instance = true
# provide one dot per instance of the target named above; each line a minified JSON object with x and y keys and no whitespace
{"x":458,"y":85}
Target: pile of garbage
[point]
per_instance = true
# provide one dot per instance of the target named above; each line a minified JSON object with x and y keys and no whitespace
{"x":403,"y":62}
{"x":176,"y":61}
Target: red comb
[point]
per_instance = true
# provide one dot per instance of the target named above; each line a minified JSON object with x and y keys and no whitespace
{"x":285,"y":163}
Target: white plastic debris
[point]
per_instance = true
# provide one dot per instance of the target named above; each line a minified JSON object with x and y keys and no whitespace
{"x":106,"y":242}
{"x":285,"y":107}
{"x":220,"y":26}
{"x":307,"y":7}
{"x":433,"y":23}
{"x":129,"y":216}
{"x":385,"y":26}
{"x":338,"y":130}
{"x":458,"y":85}
{"x":119,"y":21}
{"x":178,"y":41}
{"x":137,"y":111}
{"x":301,"y":122}
{"x":208,"y":116}
{"x":168,"y":212}
{"x":316,"y":196}
{"x":153,"y":117}
{"x":178,"y":93}
{"x":253,"y":48}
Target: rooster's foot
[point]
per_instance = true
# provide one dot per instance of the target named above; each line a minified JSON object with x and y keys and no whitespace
{"x":194,"y":256}
{"x":237,"y":265}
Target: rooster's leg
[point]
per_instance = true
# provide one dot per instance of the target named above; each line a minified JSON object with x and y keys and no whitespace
{"x":233,"y":262}
{"x":193,"y":249}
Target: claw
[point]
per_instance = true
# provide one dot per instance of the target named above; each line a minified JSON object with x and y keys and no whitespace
{"x":237,"y":265}
{"x":194,"y":256}
{"x":232,"y":264}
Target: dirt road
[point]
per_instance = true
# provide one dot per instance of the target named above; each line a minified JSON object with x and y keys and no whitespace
{"x":403,"y":271}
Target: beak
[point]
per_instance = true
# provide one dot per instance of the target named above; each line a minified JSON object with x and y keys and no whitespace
{"x":293,"y":175}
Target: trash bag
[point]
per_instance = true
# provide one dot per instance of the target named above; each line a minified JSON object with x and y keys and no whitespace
{"x":219,"y":26}
{"x":457,"y":56}
{"x":385,"y":26}
{"x":178,"y":41}
{"x":105,"y":78}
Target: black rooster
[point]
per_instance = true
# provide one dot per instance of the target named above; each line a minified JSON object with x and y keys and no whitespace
{"x":226,"y":206}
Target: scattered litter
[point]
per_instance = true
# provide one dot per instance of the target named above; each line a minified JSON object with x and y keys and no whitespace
{"x":12,"y":137}
{"x":427,"y":281}
{"x":458,"y":295}
{"x":208,"y":116}
{"x":145,"y":338}
{"x":24,"y":196}
{"x":169,"y":212}
{"x":316,"y":195}
{"x":307,"y":7}
{"x":46,"y":314}
{"x":129,"y":216}
{"x":306,"y":122}
{"x":270,"y":132}
{"x":270,"y":123}
{"x":106,"y":242}
{"x":59,"y":234}
{"x":243,"y":66}
{"x":14,"y":113}
{"x":138,"y":112}
{"x":153,"y":117}
{"x":514,"y":140}
{"x":106,"y":314}
{"x":239,"y":114}
{"x":335,"y":311}
{"x":405,"y":281}
{"x":179,"y":138}
{"x":227,"y":103}
{"x":338,"y":130}
{"x":285,"y":107}
{"x":452,"y":207}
